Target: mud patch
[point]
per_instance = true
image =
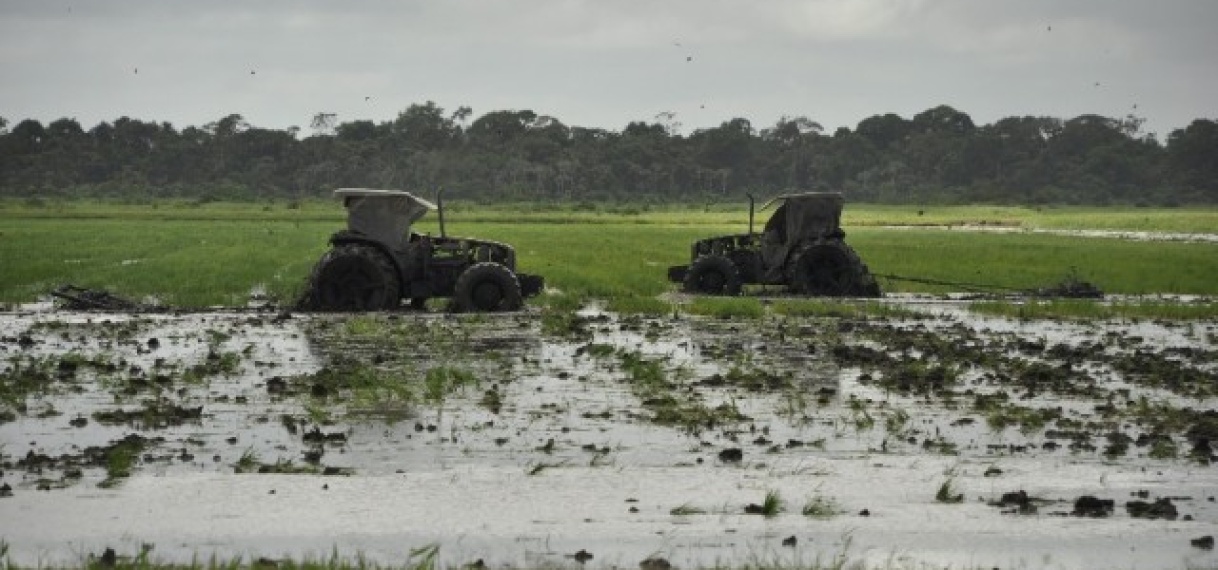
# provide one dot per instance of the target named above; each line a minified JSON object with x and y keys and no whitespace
{"x":691,"y":441}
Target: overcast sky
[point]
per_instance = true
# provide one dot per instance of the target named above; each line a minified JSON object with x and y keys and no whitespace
{"x":604,"y":63}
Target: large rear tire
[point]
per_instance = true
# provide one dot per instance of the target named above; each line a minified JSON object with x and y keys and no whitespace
{"x":831,"y":270}
{"x":485,"y":288}
{"x":353,"y":277}
{"x":712,"y":275}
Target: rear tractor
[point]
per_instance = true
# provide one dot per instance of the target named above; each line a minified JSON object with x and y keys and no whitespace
{"x":377,"y":262}
{"x":802,"y":247}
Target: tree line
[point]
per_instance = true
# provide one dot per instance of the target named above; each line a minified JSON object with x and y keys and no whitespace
{"x":937,"y":156}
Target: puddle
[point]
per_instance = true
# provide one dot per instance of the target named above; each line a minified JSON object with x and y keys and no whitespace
{"x":630,"y":438}
{"x":1108,"y":234}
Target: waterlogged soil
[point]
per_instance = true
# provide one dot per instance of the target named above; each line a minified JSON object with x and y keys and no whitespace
{"x":941,"y":439}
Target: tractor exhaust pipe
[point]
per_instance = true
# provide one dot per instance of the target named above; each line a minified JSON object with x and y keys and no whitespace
{"x":751,"y":202}
{"x":440,"y":208}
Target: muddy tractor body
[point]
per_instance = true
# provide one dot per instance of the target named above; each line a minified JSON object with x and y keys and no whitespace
{"x":377,"y":261}
{"x":801,"y":246}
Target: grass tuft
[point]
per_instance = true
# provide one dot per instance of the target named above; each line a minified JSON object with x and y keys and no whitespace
{"x":727,"y":307}
{"x":947,"y":493}
{"x":821,"y":507}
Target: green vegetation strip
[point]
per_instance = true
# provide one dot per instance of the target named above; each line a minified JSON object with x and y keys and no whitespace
{"x":225,"y":252}
{"x":730,"y":214}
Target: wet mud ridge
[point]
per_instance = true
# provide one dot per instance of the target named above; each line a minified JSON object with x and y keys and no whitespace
{"x":610,"y":440}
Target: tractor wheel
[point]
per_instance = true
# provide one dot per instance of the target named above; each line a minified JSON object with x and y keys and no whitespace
{"x":354,"y":277}
{"x":831,"y":270}
{"x":487,"y":287}
{"x":712,"y":275}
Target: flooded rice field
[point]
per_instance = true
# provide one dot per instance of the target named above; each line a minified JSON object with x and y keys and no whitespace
{"x":936,"y":439}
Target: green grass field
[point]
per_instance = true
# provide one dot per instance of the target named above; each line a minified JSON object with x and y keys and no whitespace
{"x":214,"y":254}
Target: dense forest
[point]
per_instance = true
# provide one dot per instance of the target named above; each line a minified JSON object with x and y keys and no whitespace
{"x":937,"y":156}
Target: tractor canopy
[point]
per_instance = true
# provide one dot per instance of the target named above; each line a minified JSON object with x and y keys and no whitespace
{"x":800,"y":218}
{"x":383,"y":215}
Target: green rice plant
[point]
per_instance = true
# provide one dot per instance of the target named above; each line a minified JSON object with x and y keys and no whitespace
{"x":563,"y":323}
{"x":393,"y":401}
{"x":599,"y":350}
{"x":216,"y":363}
{"x":836,"y":308}
{"x":646,"y":375}
{"x":1163,"y":449}
{"x":248,"y":462}
{"x":424,"y":557}
{"x":941,"y":446}
{"x":24,"y":376}
{"x":770,"y":506}
{"x":318,"y":412}
{"x":120,"y":459}
{"x":794,"y":405}
{"x":947,"y":492}
{"x":727,"y":307}
{"x":859,"y":415}
{"x":536,"y":468}
{"x":754,"y":378}
{"x":686,"y":510}
{"x":821,"y":507}
{"x":366,"y":325}
{"x":635,"y":305}
{"x":692,"y":417}
{"x":650,"y":382}
{"x":896,"y":422}
{"x":555,"y":300}
{"x":442,"y":381}
{"x":1029,"y":420}
{"x":287,"y":467}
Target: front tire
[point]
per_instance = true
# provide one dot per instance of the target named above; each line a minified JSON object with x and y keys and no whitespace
{"x":712,"y":275}
{"x":353,"y":277}
{"x":485,"y":288}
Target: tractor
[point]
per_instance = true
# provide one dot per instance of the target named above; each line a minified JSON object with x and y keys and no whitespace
{"x":802,"y":247}
{"x":378,"y":261}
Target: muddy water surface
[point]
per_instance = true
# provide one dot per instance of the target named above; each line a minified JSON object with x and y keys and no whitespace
{"x":902,"y":442}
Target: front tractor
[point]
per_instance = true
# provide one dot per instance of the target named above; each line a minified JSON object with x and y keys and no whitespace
{"x":378,"y":261}
{"x":802,"y":247}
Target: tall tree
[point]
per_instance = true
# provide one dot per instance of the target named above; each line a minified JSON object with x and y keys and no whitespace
{"x":1193,"y":151}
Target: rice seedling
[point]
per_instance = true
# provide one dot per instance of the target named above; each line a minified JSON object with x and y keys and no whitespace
{"x":536,"y":468}
{"x":248,"y":462}
{"x":686,"y":510}
{"x":947,"y":492}
{"x":727,"y":307}
{"x":635,"y":305}
{"x":120,"y":459}
{"x":821,"y":507}
{"x":772,"y":505}
{"x":836,"y":308}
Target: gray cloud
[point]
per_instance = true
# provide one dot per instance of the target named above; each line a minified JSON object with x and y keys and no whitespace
{"x":604,"y":63}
